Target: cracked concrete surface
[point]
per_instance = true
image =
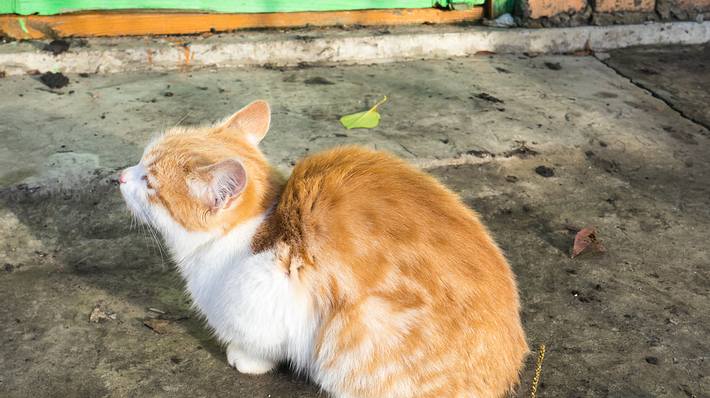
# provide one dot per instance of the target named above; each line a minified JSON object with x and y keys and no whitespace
{"x":678,"y":76}
{"x":632,"y":322}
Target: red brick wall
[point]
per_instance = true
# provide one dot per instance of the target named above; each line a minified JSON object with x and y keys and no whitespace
{"x":624,"y":5}
{"x":548,"y":8}
{"x":690,"y":5}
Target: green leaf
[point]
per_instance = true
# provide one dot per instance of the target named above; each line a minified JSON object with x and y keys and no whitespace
{"x":363,"y":120}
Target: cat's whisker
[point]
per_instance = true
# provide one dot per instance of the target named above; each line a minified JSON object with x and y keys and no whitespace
{"x":140,"y":220}
{"x":144,"y":233}
{"x":154,"y":233}
{"x":134,"y":221}
{"x":161,"y":247}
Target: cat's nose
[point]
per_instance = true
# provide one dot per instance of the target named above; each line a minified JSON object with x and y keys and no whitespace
{"x":122,"y":177}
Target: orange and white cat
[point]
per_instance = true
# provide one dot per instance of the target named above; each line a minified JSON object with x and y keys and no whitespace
{"x":359,"y":269}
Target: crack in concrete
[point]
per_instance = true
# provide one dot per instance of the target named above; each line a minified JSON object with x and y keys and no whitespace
{"x":655,"y":95}
{"x":427,"y":164}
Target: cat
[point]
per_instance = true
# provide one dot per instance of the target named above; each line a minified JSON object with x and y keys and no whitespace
{"x":358,"y":269}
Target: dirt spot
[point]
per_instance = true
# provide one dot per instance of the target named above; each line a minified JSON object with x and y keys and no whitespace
{"x":54,"y":80}
{"x":651,"y":360}
{"x":488,"y":97}
{"x":610,"y":166}
{"x":57,"y":47}
{"x":545,"y":171}
{"x":648,"y":71}
{"x":584,"y":297}
{"x":605,"y":94}
{"x":521,"y":151}
{"x":553,"y":65}
{"x":303,"y":38}
{"x":682,"y":136}
{"x":646,"y":107}
{"x":480,"y":153}
{"x":318,"y":80}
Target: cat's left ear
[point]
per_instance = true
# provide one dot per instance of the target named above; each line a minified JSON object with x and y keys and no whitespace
{"x":253,"y":120}
{"x":219,"y":185}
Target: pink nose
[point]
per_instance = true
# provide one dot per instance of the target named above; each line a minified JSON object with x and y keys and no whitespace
{"x":122,"y":178}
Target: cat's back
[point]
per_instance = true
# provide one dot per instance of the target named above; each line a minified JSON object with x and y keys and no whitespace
{"x":354,"y":178}
{"x":356,"y":196}
{"x":409,"y":274}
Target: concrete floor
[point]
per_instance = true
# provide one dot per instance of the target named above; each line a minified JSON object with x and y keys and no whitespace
{"x":633,"y":322}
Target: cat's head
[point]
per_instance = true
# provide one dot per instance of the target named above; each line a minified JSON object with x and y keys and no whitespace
{"x":202,"y":179}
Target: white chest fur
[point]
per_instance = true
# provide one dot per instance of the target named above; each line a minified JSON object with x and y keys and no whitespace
{"x":246,"y":298}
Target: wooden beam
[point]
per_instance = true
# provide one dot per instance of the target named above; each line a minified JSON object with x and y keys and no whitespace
{"x":137,"y":23}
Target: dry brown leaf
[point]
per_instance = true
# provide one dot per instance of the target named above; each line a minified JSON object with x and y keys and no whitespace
{"x":586,"y":241}
{"x":159,"y":326}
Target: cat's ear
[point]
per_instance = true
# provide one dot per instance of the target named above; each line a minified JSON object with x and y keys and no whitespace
{"x":219,"y":185}
{"x":252,"y":120}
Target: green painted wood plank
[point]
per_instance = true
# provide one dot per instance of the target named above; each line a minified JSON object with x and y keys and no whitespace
{"x":48,"y":7}
{"x":7,"y":6}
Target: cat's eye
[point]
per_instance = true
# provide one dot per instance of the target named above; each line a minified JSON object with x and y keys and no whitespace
{"x":148,"y":185}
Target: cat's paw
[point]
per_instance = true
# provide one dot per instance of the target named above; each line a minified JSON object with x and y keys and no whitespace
{"x":246,"y":363}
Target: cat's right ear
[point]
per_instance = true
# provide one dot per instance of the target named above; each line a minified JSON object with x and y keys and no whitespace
{"x":219,"y":185}
{"x":253,"y":121}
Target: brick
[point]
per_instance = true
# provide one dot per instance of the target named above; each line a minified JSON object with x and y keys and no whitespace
{"x":624,"y":5}
{"x":690,"y":5}
{"x":548,"y":8}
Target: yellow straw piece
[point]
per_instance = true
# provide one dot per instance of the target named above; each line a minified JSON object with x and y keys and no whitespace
{"x":538,"y":370}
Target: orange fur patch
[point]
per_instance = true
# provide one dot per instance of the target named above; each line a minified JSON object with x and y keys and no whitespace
{"x":177,"y":157}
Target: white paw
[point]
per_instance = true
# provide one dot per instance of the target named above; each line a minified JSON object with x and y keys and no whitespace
{"x":245,"y":363}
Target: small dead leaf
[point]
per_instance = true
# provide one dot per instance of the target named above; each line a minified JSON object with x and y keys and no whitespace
{"x":586,"y":242}
{"x":99,"y":315}
{"x":159,"y":326}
